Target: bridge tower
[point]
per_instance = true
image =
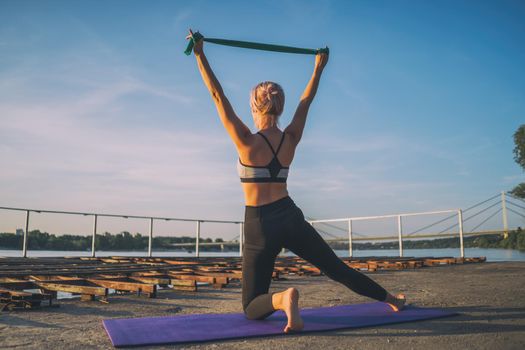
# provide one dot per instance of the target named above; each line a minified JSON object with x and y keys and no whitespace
{"x":504,"y":214}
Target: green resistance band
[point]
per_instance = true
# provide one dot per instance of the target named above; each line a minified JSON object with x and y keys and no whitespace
{"x":250,"y":45}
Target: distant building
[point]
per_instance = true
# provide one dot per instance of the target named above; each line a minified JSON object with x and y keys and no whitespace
{"x":19,"y":232}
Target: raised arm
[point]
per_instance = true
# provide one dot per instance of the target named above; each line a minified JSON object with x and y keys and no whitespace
{"x":237,"y":130}
{"x":296,"y":127}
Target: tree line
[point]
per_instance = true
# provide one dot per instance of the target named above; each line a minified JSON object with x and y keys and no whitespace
{"x":123,"y":241}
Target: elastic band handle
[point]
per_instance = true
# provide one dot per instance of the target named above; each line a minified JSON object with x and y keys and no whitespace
{"x":191,"y":42}
{"x":251,"y":45}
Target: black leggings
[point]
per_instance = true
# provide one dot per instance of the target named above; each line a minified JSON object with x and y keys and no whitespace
{"x":269,"y":228}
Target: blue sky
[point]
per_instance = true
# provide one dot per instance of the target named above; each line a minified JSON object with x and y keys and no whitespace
{"x":101,"y":111}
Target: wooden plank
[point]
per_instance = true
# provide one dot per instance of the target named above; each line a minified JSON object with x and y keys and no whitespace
{"x":183,"y":283}
{"x":71,"y":288}
{"x":152,"y":280}
{"x":133,"y":279}
{"x":8,"y":279}
{"x":19,"y":285}
{"x":109,"y":260}
{"x":51,"y":278}
{"x":149,"y":289}
{"x":177,"y":262}
{"x":218,"y":274}
{"x":186,"y":289}
{"x":177,"y":284}
{"x":9,"y":292}
{"x":207,"y":279}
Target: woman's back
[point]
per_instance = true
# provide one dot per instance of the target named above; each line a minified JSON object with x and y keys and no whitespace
{"x":258,"y":154}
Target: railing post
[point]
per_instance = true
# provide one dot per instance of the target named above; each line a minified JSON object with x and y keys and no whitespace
{"x":400,"y":234}
{"x":198,"y":234}
{"x":460,"y":222}
{"x":504,"y":213}
{"x":350,"y":250}
{"x":150,"y":238}
{"x":241,"y":237}
{"x":94,"y":237}
{"x":24,"y":244}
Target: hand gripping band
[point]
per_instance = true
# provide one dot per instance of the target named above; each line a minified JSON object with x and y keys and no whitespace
{"x":251,"y":45}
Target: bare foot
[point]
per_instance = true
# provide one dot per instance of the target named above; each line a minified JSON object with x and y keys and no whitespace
{"x":289,"y":303}
{"x":397,"y":303}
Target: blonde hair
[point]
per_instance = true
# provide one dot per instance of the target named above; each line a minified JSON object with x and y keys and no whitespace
{"x":267,"y":98}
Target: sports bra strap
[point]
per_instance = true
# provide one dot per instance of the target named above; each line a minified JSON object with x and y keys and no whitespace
{"x":269,"y":144}
{"x":280,"y":144}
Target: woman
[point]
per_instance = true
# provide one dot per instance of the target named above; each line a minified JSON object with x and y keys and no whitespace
{"x":272,"y":220}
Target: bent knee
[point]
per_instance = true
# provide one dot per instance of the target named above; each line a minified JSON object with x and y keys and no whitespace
{"x":251,"y":316}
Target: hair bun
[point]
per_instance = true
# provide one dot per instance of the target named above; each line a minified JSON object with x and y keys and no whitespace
{"x":267,"y":98}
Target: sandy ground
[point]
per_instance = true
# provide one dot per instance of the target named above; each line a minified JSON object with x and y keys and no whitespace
{"x":490,"y":298}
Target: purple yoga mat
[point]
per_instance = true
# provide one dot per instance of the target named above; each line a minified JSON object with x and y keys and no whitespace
{"x":206,"y":327}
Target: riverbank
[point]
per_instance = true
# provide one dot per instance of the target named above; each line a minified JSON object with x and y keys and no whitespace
{"x":489,"y":296}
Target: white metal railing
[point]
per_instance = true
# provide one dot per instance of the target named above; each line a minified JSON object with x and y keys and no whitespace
{"x":399,"y":226}
{"x":151,"y":219}
{"x":502,"y":200}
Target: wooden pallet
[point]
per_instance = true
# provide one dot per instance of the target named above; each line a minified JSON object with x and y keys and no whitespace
{"x":32,"y":282}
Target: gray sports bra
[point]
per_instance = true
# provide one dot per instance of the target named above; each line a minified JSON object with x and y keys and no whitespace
{"x":272,"y":172}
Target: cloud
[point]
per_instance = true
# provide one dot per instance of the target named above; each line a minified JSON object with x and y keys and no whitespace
{"x":58,"y":146}
{"x":57,"y":116}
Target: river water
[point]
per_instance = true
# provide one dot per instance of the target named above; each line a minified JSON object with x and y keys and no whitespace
{"x":491,"y":254}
